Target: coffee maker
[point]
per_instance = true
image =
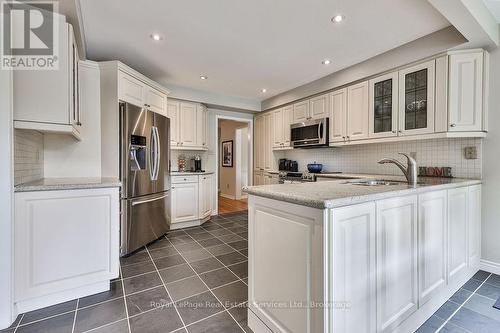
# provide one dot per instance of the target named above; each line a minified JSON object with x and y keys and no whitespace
{"x":196,"y":164}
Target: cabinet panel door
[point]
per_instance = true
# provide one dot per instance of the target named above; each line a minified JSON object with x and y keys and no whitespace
{"x":287,"y":121}
{"x":338,"y":115}
{"x":301,"y":111}
{"x":259,"y":143}
{"x":268,"y":135}
{"x":130,"y":89}
{"x":357,"y":111}
{"x":457,"y":232}
{"x":188,"y":128}
{"x":278,"y":137}
{"x":318,"y":107}
{"x":354,"y":272}
{"x":173,"y":109}
{"x":416,"y":99}
{"x":184,"y":202}
{"x":156,"y":100}
{"x":396,"y":261}
{"x":383,"y":114}
{"x":205,"y":195}
{"x":466,"y":91}
{"x":431,"y":244}
{"x":474,"y":229}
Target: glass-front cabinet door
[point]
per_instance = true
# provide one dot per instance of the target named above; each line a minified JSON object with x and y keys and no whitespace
{"x":384,"y":106}
{"x":416,"y":99}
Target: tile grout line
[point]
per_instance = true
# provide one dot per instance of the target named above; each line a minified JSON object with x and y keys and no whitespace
{"x":125,"y":300}
{"x":165,"y":286}
{"x":74,"y":318}
{"x":19,"y":323}
{"x":462,"y":305}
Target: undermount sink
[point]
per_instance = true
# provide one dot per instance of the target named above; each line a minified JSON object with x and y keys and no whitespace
{"x":373,"y":182}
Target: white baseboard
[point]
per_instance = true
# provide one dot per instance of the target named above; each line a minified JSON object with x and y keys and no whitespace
{"x":227,"y":196}
{"x":490,"y":266}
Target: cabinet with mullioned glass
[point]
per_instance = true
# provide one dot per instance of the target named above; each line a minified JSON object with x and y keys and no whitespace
{"x":416,"y":99}
{"x":383,"y":115}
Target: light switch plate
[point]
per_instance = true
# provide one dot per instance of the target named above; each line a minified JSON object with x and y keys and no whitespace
{"x":470,"y":153}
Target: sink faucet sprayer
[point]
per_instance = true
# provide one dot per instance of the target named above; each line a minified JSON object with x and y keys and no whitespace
{"x":410,"y":171}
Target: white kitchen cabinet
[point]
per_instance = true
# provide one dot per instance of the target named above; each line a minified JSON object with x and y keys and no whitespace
{"x":192,"y":199}
{"x":184,"y":202}
{"x":287,"y":121}
{"x":397,"y":287}
{"x":202,"y":126}
{"x":66,"y":245}
{"x":133,"y":90}
{"x":353,"y":278}
{"x":278,"y":137}
{"x":338,"y":116}
{"x":465,"y":102}
{"x":474,"y":225}
{"x":258,"y":178}
{"x":259,"y":143}
{"x":432,"y":237}
{"x":357,"y":111}
{"x":383,"y":107}
{"x":457,"y":232}
{"x":268,"y":138}
{"x":205,"y":194}
{"x":319,"y":107}
{"x":416,"y":99}
{"x":156,"y":101}
{"x":187,"y":124}
{"x":301,"y":111}
{"x":48,"y":100}
{"x":173,"y":109}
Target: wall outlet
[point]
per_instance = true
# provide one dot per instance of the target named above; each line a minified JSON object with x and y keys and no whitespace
{"x":470,"y":153}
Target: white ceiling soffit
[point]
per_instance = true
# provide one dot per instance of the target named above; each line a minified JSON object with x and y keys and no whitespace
{"x":494,"y":7}
{"x":244,"y":46}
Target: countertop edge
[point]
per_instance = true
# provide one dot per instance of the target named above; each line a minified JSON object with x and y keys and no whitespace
{"x":70,"y":186}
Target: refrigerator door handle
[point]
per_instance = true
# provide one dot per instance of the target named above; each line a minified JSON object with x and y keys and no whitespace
{"x":135,"y":203}
{"x":157,"y":152}
{"x":152,"y":160}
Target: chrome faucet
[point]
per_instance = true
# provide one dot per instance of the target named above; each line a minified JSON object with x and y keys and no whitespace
{"x":410,"y":171}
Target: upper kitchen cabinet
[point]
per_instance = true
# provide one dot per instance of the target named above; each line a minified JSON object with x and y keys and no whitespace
{"x":338,"y":116}
{"x":188,"y":124}
{"x":301,"y":111}
{"x":48,"y":100}
{"x":383,"y":106}
{"x":314,"y":108}
{"x":259,"y":143}
{"x":282,"y":119}
{"x":416,"y":99}
{"x":357,"y":111}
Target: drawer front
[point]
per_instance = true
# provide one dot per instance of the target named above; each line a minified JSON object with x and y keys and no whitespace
{"x":184,"y":179}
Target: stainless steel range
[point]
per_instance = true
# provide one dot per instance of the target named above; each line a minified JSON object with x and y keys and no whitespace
{"x":289,"y":177}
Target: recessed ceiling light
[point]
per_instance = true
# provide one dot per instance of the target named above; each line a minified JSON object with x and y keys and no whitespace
{"x":156,"y":37}
{"x":338,"y":18}
{"x":263,"y":90}
{"x":203,"y":77}
{"x":326,"y":62}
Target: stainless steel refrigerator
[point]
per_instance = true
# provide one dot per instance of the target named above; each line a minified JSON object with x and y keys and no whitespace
{"x":145,"y":176}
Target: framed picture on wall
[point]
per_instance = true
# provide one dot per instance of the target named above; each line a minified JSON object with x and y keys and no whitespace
{"x":227,"y":154}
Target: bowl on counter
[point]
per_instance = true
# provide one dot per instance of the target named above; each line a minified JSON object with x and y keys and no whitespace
{"x":314,"y":167}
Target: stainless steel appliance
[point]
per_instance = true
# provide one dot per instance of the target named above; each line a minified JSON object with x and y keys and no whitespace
{"x":145,"y":176}
{"x":309,"y":133}
{"x":290,"y":177}
{"x":196,"y":164}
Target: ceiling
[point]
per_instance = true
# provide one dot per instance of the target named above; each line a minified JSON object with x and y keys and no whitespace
{"x":494,"y":7}
{"x":244,"y":46}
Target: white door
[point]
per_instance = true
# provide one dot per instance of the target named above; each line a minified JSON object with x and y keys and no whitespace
{"x":383,"y":107}
{"x":278,"y":137}
{"x":287,"y":121}
{"x":416,"y":99}
{"x":188,"y":124}
{"x":130,"y":89}
{"x":301,"y":111}
{"x":205,"y":195}
{"x":173,"y":108}
{"x":184,"y":202}
{"x":156,"y":100}
{"x":357,"y":111}
{"x":457,"y":232}
{"x":465,"y":93}
{"x":318,"y":107}
{"x":431,"y":244}
{"x":338,"y":115}
{"x":396,"y":261}
{"x":353,"y":276}
{"x":474,"y":230}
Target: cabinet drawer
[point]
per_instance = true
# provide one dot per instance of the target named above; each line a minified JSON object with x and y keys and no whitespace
{"x":184,"y":179}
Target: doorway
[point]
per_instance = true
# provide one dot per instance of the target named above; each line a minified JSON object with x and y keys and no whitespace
{"x":234,"y":163}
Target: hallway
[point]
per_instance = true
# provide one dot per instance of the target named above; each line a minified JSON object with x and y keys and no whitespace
{"x":228,"y":205}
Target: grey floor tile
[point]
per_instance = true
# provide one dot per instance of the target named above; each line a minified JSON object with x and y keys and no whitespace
{"x":431,"y":325}
{"x":163,"y":252}
{"x":187,"y":247}
{"x":175,"y":273}
{"x":135,"y":258}
{"x":494,"y":280}
{"x":490,"y":291}
{"x":48,"y":311}
{"x":475,"y":322}
{"x":161,"y":320}
{"x":141,"y":282}
{"x":232,"y":294}
{"x":230,"y":238}
{"x":137,"y":269}
{"x":218,"y":277}
{"x":159,"y":243}
{"x":99,"y":315}
{"x":115,"y":291}
{"x":195,"y":230}
{"x":240,"y":269}
{"x":240,"y":313}
{"x":117,"y":327}
{"x":182,"y":239}
{"x":239,"y":245}
{"x":210,"y":242}
{"x":147,"y":300}
{"x":220,"y":323}
{"x":202,"y":236}
{"x":483,"y":305}
{"x":481,"y":275}
{"x":231,"y":258}
{"x":206,"y":265}
{"x":220,"y":249}
{"x":196,"y":255}
{"x":243,"y":235}
{"x":446,"y":310}
{"x":220,"y":232}
{"x":186,"y":287}
{"x":451,"y":328}
{"x":198,"y":307}
{"x":238,"y":230}
{"x":471,"y":285}
{"x":170,"y":261}
{"x":460,"y":296}
{"x":58,"y":324}
{"x":244,"y":252}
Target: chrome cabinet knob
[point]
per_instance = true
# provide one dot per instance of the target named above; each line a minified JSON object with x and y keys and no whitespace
{"x":453,"y":125}
{"x":393,"y":131}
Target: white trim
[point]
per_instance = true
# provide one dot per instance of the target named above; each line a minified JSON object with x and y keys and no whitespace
{"x":489,"y":266}
{"x":250,"y":150}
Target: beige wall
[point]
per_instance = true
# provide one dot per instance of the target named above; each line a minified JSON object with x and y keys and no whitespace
{"x":227,"y":176}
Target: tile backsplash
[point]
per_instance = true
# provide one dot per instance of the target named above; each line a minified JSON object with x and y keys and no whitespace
{"x":363,"y":158}
{"x":28,"y":156}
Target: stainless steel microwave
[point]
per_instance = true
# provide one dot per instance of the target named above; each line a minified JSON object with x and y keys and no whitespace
{"x":309,"y":133}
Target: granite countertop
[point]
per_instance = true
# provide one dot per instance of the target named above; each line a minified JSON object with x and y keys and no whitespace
{"x":338,"y":192}
{"x":187,"y":173}
{"x":52,"y":184}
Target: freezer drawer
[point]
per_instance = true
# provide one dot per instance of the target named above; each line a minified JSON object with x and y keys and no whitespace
{"x":144,"y":219}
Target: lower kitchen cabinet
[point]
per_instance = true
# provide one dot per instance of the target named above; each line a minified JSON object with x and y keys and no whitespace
{"x":457,"y":232}
{"x":474,"y":225}
{"x":192,"y":197}
{"x":66,"y":245}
